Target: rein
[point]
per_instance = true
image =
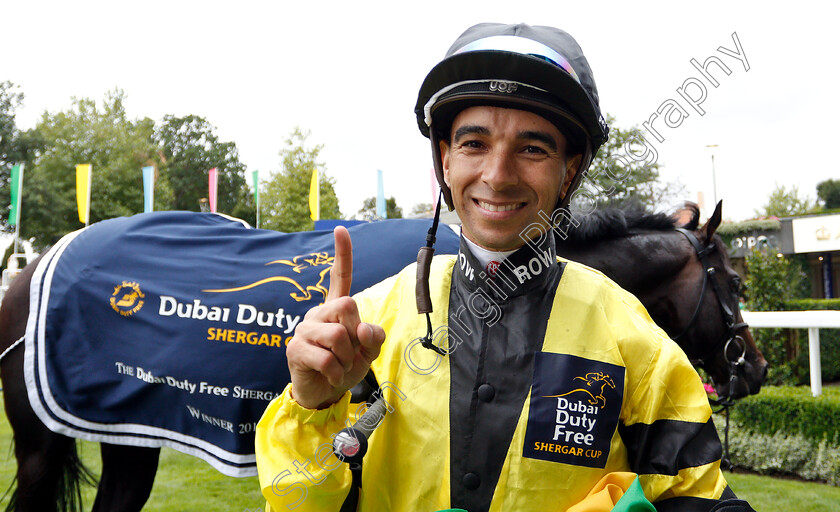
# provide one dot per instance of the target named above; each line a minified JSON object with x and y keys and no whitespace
{"x":12,"y":346}
{"x":710,"y":276}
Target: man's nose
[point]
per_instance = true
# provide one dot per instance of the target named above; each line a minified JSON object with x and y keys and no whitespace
{"x":499,"y":170}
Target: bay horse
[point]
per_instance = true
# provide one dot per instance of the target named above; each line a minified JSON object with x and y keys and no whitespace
{"x":681,"y":272}
{"x":642,"y":252}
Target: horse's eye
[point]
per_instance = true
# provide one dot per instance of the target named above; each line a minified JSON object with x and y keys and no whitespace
{"x":735,"y":283}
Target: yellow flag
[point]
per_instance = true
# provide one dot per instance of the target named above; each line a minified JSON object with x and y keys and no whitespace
{"x":83,"y":175}
{"x":314,"y":197}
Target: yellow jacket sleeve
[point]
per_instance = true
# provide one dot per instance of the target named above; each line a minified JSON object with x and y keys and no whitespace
{"x":667,"y":427}
{"x":294,"y":455}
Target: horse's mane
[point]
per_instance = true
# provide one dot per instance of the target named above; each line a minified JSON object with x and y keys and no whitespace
{"x":621,"y":219}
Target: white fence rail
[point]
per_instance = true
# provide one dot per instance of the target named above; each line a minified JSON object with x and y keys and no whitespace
{"x":811,"y":320}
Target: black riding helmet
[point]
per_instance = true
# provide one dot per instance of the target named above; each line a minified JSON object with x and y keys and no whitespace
{"x":534,"y":68}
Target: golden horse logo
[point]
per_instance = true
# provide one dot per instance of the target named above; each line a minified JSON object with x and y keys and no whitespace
{"x":298,"y":264}
{"x":592,"y":380}
{"x":128,"y":299}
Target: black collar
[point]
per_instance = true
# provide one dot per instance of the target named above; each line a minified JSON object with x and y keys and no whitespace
{"x":532,"y":267}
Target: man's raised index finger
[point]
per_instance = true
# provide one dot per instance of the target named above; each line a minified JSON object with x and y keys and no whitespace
{"x":341,"y":274}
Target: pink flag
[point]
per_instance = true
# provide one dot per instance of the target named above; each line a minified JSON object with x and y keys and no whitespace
{"x":435,"y":188}
{"x":214,"y":183}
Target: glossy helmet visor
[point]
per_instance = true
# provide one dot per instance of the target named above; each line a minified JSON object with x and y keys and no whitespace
{"x":533,"y":68}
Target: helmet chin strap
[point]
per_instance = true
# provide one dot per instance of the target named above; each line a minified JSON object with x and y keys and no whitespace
{"x":583,"y":168}
{"x":437,"y":159}
{"x":421,"y":290}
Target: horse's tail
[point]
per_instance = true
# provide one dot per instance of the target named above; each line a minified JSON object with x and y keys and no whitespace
{"x":74,"y":474}
{"x":64,"y":470}
{"x":68,"y":490}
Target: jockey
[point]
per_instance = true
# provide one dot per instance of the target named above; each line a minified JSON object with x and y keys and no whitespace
{"x":534,"y":383}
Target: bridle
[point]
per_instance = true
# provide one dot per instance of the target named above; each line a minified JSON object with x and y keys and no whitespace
{"x":735,"y":366}
{"x":732,"y":326}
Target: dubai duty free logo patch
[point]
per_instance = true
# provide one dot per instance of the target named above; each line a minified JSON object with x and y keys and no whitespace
{"x":575,"y":404}
{"x":127,"y":298}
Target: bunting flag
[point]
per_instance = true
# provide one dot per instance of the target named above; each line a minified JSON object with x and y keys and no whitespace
{"x":214,"y":186}
{"x":381,"y":211}
{"x":16,"y":186}
{"x":257,"y":194}
{"x":256,"y":182}
{"x":314,"y":196}
{"x":148,"y":189}
{"x":83,"y":177}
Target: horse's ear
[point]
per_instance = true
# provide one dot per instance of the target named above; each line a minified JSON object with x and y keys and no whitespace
{"x":714,"y":221}
{"x":687,"y":217}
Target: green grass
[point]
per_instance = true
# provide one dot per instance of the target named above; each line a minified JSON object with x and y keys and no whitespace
{"x":768,"y":494}
{"x":185,"y":483}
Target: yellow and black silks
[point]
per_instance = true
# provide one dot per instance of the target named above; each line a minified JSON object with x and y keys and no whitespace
{"x":610,"y":398}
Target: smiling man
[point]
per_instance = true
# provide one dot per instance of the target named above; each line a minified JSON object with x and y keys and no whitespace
{"x":503,"y":168}
{"x":534,"y":383}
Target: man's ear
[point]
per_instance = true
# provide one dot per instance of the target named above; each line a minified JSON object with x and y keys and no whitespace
{"x":572,"y":166}
{"x":444,"y":157}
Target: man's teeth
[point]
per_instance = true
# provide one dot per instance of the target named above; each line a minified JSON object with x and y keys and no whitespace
{"x":500,"y":207}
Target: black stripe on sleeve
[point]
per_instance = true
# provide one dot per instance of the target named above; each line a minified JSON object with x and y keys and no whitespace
{"x":728,"y":494}
{"x":667,"y":446}
{"x":728,"y":503}
{"x":685,"y":504}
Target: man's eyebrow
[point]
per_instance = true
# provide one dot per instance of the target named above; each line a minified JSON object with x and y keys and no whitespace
{"x":469,"y":130}
{"x":543,"y":137}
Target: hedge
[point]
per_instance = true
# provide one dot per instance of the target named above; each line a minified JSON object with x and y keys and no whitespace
{"x":730,"y":229}
{"x":782,"y":454}
{"x":792,"y":410}
{"x":812,"y":304}
{"x":785,"y":430}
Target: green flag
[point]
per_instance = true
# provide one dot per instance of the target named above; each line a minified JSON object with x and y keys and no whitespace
{"x":257,"y":194}
{"x":257,"y":187}
{"x":16,"y":185}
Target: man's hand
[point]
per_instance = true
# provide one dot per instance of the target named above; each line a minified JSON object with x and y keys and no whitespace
{"x":332,"y":349}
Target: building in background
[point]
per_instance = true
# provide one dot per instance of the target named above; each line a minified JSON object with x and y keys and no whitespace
{"x":817,"y":237}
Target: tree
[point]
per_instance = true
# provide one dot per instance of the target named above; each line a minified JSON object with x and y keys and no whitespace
{"x":625,"y":166}
{"x":368,"y":211}
{"x":190,"y":148}
{"x":285,"y":197}
{"x":10,"y":100}
{"x":770,"y":281}
{"x":785,"y":203}
{"x":828,"y":192}
{"x":104,"y":137}
{"x":422,"y":208}
{"x":15,"y":146}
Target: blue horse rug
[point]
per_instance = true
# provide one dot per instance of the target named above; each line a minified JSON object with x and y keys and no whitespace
{"x":170,"y":328}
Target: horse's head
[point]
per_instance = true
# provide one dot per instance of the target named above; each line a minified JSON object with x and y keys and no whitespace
{"x":645,"y":255}
{"x":707,"y":319}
